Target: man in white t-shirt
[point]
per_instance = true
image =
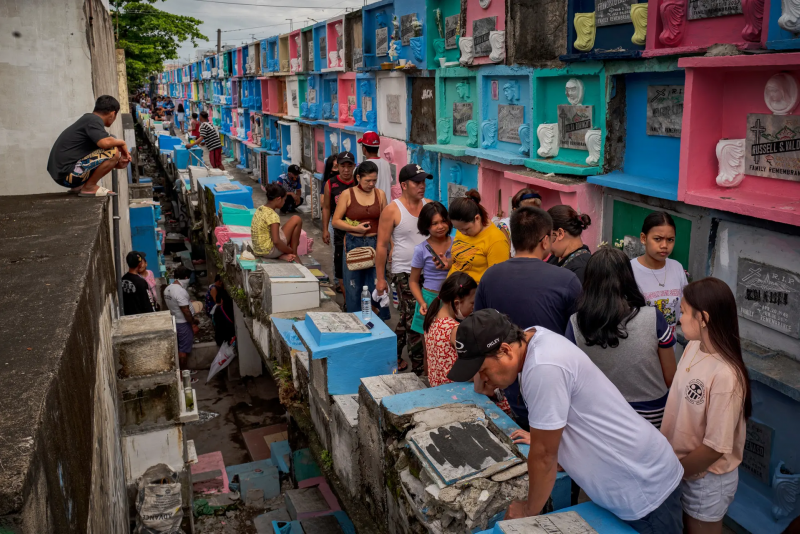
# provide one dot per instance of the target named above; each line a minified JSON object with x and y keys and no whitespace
{"x":180,"y":306}
{"x":577,"y":419}
{"x":370,"y":148}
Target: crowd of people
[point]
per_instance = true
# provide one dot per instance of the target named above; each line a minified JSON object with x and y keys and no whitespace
{"x":577,"y":347}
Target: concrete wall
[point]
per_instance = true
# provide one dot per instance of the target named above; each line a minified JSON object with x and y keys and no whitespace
{"x":61,"y":452}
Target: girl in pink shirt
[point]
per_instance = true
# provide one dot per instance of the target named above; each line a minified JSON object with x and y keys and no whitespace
{"x":709,"y":400}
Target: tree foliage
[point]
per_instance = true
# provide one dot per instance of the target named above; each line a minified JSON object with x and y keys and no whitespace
{"x":150,"y":36}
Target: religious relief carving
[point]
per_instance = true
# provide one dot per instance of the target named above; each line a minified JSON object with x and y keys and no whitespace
{"x":416,"y":48}
{"x":592,"y":140}
{"x":548,"y":140}
{"x":394,"y":50}
{"x":753,"y":18}
{"x":358,"y":117}
{"x":489,"y":131}
{"x":790,"y":16}
{"x":344,"y":113}
{"x":313,"y":110}
{"x":730,"y":155}
{"x":288,"y":152}
{"x":584,"y":31}
{"x":511,"y":91}
{"x":673,"y":19}
{"x":333,"y":59}
{"x":365,"y":88}
{"x":465,"y":44}
{"x":304,"y":109}
{"x":388,"y":154}
{"x":295,"y":64}
{"x":497,"y":40}
{"x":438,"y":49}
{"x":346,"y":144}
{"x":484,"y":3}
{"x":639,"y":20}
{"x":780,"y":93}
{"x":472,"y":133}
{"x":525,"y":139}
{"x":574,"y":91}
{"x":326,"y":110}
{"x":785,"y":492}
{"x":372,"y":120}
{"x":444,"y":126}
{"x":462,"y":90}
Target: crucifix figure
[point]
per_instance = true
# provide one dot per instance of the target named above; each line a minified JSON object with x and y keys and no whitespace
{"x":757,"y":129}
{"x":660,"y":93}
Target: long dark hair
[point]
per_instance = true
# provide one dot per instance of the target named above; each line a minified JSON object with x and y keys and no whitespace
{"x":657,"y":218}
{"x":466,"y":208}
{"x":328,"y":173}
{"x":457,"y":286}
{"x":610,"y":298}
{"x":570,"y":220}
{"x":713,"y":297}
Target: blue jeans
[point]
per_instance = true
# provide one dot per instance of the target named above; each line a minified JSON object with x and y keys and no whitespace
{"x":354,"y":281}
{"x":666,"y":519}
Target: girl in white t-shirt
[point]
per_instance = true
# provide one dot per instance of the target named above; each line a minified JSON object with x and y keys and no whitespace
{"x":660,"y":279}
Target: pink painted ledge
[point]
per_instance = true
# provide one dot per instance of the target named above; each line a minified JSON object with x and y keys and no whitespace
{"x":758,"y":61}
{"x":747,"y":202}
{"x":683,"y":50}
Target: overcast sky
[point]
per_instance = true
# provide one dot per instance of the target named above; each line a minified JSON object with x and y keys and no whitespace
{"x":264,"y":21}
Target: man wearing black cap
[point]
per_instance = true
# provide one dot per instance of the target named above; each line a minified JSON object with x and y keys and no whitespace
{"x":578,"y":419}
{"x":291,"y":182}
{"x":135,"y":297}
{"x":398,"y":228}
{"x":333,"y":190}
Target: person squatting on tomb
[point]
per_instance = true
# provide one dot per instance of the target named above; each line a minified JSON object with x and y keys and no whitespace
{"x":85,"y":152}
{"x":566,"y":246}
{"x":269,"y":239}
{"x":294,"y":189}
{"x":357,"y":214}
{"x":337,"y":183}
{"x":209,"y":136}
{"x":578,"y":419}
{"x":398,"y":230}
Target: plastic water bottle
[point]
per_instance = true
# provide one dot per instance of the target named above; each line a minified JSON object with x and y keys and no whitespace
{"x":395,"y":299}
{"x":366,"y":304}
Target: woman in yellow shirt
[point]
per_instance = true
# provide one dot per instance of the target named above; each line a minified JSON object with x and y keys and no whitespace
{"x":268,"y":238}
{"x":478,"y":244}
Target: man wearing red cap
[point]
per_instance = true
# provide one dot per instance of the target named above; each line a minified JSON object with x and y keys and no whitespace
{"x":370,"y":148}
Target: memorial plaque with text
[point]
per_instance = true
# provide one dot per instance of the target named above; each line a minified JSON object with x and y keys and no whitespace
{"x":768,"y":295}
{"x":320,"y":151}
{"x":294,"y":98}
{"x":337,"y":323}
{"x":393,"y":113}
{"x":381,"y":41}
{"x":462,"y":113}
{"x":393,"y":172}
{"x":451,"y":31}
{"x":573,"y":123}
{"x":480,"y":35}
{"x":664,"y":110}
{"x":282,"y":270}
{"x":609,"y":12}
{"x":407,"y":28}
{"x":555,"y":523}
{"x":704,"y":9}
{"x":366,"y":105}
{"x":758,"y":451}
{"x":323,"y":49}
{"x":772,"y":146}
{"x":311,"y":96}
{"x":455,"y":191}
{"x":509,"y":119}
{"x":358,"y":58}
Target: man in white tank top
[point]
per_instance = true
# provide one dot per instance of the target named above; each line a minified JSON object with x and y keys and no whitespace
{"x":398,"y":229}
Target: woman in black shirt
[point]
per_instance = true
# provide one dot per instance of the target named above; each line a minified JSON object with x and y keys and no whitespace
{"x":567,"y":248}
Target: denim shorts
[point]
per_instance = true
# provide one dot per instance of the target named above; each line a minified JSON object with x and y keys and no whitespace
{"x":707,"y":499}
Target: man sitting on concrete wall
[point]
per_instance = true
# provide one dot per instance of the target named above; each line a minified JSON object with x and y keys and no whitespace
{"x":85,"y":152}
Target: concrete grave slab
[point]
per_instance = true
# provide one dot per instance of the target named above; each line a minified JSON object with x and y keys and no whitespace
{"x":145,"y":345}
{"x":249,"y":358}
{"x":320,"y":408}
{"x":258,"y":440}
{"x":344,"y":437}
{"x":210,"y":463}
{"x":459,"y":450}
{"x":304,"y":466}
{"x":261,"y":475}
{"x":305,"y":502}
{"x":288,"y":287}
{"x":263,"y":522}
{"x":564,"y":523}
{"x":326,"y":524}
{"x":281,"y":455}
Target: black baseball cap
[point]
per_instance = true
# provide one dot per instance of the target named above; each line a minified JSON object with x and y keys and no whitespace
{"x":479,"y":334}
{"x":346,"y":157}
{"x":134,"y":258}
{"x":294,"y":169}
{"x":413,"y":172}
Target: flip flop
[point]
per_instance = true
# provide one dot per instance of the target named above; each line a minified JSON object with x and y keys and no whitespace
{"x":402,"y":365}
{"x":101,"y":192}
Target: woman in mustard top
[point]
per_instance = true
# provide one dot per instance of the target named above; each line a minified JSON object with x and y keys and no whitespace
{"x":478,"y":244}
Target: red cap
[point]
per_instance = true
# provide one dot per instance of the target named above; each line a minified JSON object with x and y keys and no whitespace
{"x":370,"y":139}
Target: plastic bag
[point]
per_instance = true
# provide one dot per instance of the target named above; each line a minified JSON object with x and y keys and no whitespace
{"x":224,"y":357}
{"x":159,"y":501}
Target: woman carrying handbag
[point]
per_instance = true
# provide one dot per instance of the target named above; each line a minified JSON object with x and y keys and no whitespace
{"x":357,"y":214}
